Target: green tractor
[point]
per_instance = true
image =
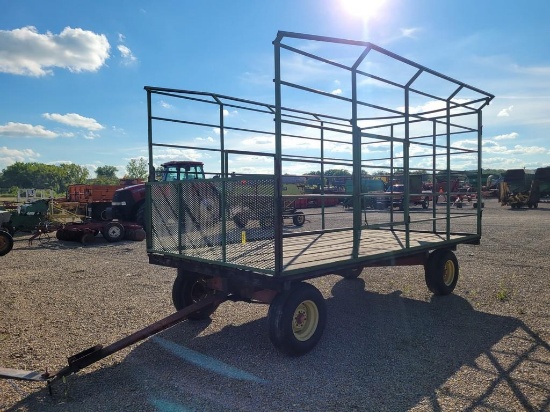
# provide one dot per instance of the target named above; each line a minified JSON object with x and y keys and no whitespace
{"x":27,"y":217}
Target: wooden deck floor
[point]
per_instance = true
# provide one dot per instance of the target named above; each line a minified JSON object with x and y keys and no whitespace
{"x":312,"y":250}
{"x":305,"y":251}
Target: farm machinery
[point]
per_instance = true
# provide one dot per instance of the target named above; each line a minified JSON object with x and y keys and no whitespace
{"x":191,"y":225}
{"x":43,"y":216}
{"x":521,"y":189}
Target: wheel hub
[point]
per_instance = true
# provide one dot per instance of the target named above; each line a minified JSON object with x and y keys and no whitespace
{"x":305,"y":320}
{"x":449,"y":273}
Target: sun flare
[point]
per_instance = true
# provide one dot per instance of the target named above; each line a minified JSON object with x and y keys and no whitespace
{"x":365,"y":9}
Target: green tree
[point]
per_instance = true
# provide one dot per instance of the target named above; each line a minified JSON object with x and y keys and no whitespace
{"x":42,"y":176}
{"x":106,"y":175}
{"x":137,"y":168}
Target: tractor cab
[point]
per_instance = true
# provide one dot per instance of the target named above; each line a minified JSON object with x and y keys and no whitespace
{"x":174,"y":171}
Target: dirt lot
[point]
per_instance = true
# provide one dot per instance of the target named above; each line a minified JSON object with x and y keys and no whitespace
{"x":389,"y":345}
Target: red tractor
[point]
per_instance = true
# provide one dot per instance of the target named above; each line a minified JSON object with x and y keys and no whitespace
{"x":129,"y":202}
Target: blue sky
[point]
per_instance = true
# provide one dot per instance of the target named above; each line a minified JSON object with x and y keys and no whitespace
{"x":72,"y":72}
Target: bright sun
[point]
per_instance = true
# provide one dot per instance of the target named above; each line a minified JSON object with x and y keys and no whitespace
{"x":365,"y":9}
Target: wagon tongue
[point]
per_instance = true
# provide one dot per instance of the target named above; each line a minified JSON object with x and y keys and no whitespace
{"x":95,"y":353}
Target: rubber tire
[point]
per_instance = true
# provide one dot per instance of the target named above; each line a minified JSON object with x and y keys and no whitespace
{"x":425,"y":204}
{"x":299,"y":219}
{"x":6,"y":242}
{"x":140,"y":216}
{"x":281,"y":316}
{"x":189,"y":288}
{"x":441,"y":264}
{"x":113,"y":232}
{"x":87,"y":238}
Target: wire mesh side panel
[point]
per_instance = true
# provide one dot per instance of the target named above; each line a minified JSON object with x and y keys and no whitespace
{"x":227,"y":221}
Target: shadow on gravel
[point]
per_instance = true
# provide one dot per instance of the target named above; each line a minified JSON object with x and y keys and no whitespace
{"x":378,"y":353}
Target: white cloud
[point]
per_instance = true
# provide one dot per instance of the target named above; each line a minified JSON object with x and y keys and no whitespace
{"x":127,"y":56}
{"x":505,"y":112}
{"x":508,"y":136}
{"x":169,"y":154}
{"x":337,"y":92}
{"x":165,"y":104}
{"x":12,"y":129}
{"x":75,"y":120}
{"x":491,"y":146}
{"x":91,"y":135}
{"x":409,"y":32}
{"x":205,"y":139}
{"x":10,"y":156}
{"x":26,"y":52}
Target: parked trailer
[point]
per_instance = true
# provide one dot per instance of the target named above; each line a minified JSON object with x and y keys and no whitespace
{"x":217,"y":260}
{"x":270,"y":264}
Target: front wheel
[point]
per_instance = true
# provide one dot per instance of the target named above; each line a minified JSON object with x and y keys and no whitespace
{"x":441,"y":272}
{"x":113,"y":232}
{"x":6,"y":242}
{"x":297,"y":318}
{"x":190,"y":288}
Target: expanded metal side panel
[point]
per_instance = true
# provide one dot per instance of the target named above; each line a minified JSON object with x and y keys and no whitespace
{"x":228,"y":221}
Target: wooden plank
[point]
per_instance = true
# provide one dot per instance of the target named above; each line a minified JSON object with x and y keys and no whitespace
{"x":316,"y":249}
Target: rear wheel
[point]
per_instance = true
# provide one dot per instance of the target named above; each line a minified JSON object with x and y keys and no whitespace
{"x":297,"y":318}
{"x":441,"y":272}
{"x":140,"y":216}
{"x":191,"y":288}
{"x":299,"y":219}
{"x":113,"y":232}
{"x":6,"y":242}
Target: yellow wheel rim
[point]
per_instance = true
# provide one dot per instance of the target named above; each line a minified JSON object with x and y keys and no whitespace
{"x":449,"y":272}
{"x":305,"y":320}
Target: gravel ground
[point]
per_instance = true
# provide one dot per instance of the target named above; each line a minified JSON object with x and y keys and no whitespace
{"x":389,"y":345}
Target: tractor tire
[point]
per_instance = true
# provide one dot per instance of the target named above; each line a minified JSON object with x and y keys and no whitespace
{"x":441,"y":272}
{"x":6,"y":242}
{"x":140,"y":216}
{"x":113,"y":232}
{"x":297,"y":318}
{"x":87,"y":238}
{"x":189,"y":288}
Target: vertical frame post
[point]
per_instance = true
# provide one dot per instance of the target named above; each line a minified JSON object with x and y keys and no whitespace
{"x":278,"y":194}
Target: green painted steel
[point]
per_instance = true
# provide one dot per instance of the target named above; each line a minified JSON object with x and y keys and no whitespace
{"x":390,"y":118}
